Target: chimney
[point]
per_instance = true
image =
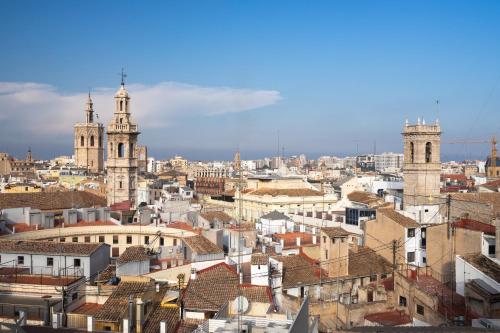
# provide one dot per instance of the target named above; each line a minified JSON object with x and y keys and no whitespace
{"x":193,"y":273}
{"x":298,"y":241}
{"x":139,"y":319}
{"x":163,"y":326}
{"x":90,"y":324}
{"x":130,"y":314}
{"x":314,"y":239}
{"x":125,"y":326}
{"x":282,"y":243}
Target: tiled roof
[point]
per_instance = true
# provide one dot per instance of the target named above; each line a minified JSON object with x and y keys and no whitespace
{"x":335,"y":232}
{"x":87,"y":309}
{"x":297,"y":271}
{"x":404,"y":221}
{"x":39,"y":280}
{"x":180,"y":225}
{"x":22,"y":227}
{"x":216,"y":215}
{"x":275,"y":215}
{"x":290,"y":238}
{"x":259,"y":259}
{"x":201,"y":245}
{"x":116,"y":306}
{"x":121,"y":206}
{"x":133,"y":253}
{"x":491,"y":198}
{"x":291,"y":192}
{"x":475,"y":225}
{"x":51,"y":200}
{"x":44,"y":247}
{"x":366,"y":198}
{"x":158,"y":314}
{"x":218,"y":284}
{"x":493,"y":185}
{"x":107,"y":274}
{"x":485,"y":265}
{"x":366,"y":262}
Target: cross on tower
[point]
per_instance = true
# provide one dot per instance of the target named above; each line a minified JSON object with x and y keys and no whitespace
{"x":123,"y":75}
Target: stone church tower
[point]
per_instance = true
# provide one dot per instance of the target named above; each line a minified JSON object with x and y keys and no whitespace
{"x":89,"y":148}
{"x":122,"y":153}
{"x":493,"y":162}
{"x":421,"y":171}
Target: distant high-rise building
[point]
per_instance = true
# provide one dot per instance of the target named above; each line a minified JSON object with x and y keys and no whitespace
{"x":88,"y":143}
{"x":421,"y":169}
{"x":122,"y":163}
{"x":388,"y":161}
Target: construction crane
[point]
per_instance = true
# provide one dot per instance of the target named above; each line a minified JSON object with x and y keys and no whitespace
{"x":466,"y":142}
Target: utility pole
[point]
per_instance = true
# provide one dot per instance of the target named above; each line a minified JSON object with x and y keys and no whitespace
{"x":394,"y":247}
{"x":448,"y":212}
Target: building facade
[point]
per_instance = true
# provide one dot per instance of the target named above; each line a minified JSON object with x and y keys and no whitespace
{"x":122,"y":166}
{"x":88,"y":143}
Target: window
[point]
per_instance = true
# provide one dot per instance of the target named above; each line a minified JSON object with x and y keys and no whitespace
{"x":370,"y":296}
{"x":120,"y":149}
{"x":131,"y":150}
{"x":175,"y":241}
{"x":74,"y":297}
{"x":162,"y":241}
{"x":101,"y":239}
{"x":491,"y":249}
{"x":50,"y":261}
{"x":115,"y":252}
{"x":129,"y":239}
{"x":324,"y":239}
{"x":410,"y":256}
{"x":411,"y":232}
{"x":326,"y":254}
{"x":82,"y":141}
{"x":100,"y":140}
{"x":121,"y":107}
{"x":412,"y":152}
{"x":428,"y":152}
{"x":420,"y":309}
{"x":91,"y":141}
{"x":62,"y":240}
{"x":87,"y":239}
{"x":76,"y":262}
{"x":74,"y":239}
{"x":402,"y":301}
{"x":20,"y":260}
{"x":373,"y":278}
{"x":115,"y":239}
{"x":120,"y":184}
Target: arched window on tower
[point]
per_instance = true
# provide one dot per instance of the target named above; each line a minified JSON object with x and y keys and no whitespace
{"x":100,"y":141}
{"x":121,"y":105}
{"x":412,"y":152}
{"x":120,"y":149}
{"x":82,"y":141}
{"x":428,"y":152}
{"x":111,"y":148}
{"x":91,"y":141}
{"x":131,"y":151}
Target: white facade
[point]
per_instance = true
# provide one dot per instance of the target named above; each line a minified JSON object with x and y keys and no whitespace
{"x":260,"y":275}
{"x":59,"y":264}
{"x":464,"y":272}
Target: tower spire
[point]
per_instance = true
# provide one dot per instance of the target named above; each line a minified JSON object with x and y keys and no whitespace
{"x":123,"y":75}
{"x":89,"y":110}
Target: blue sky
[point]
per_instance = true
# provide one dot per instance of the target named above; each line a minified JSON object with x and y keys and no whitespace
{"x":332,"y":77}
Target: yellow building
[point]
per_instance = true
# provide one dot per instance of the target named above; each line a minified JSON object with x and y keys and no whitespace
{"x":22,"y":188}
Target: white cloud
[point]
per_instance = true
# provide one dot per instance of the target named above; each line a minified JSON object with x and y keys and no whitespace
{"x":32,"y":108}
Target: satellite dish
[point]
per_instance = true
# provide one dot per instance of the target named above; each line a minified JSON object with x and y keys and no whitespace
{"x":240,"y":304}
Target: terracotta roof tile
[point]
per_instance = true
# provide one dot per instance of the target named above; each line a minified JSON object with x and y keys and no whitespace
{"x":398,"y":218}
{"x":116,"y":306}
{"x":366,"y":198}
{"x":201,"y":245}
{"x":48,"y":201}
{"x":87,"y":309}
{"x":366,"y":262}
{"x":389,"y":318}
{"x":216,"y":215}
{"x":485,"y":265}
{"x":45,"y":247}
{"x":335,"y":232}
{"x":133,"y":253}
{"x":218,"y":284}
{"x":259,"y":259}
{"x":297,"y":271}
{"x":475,"y":225}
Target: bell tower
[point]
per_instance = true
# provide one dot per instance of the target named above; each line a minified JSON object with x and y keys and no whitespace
{"x":421,"y":170}
{"x":121,"y":162}
{"x":88,"y":141}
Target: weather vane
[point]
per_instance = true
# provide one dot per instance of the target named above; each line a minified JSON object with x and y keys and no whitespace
{"x":123,"y":75}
